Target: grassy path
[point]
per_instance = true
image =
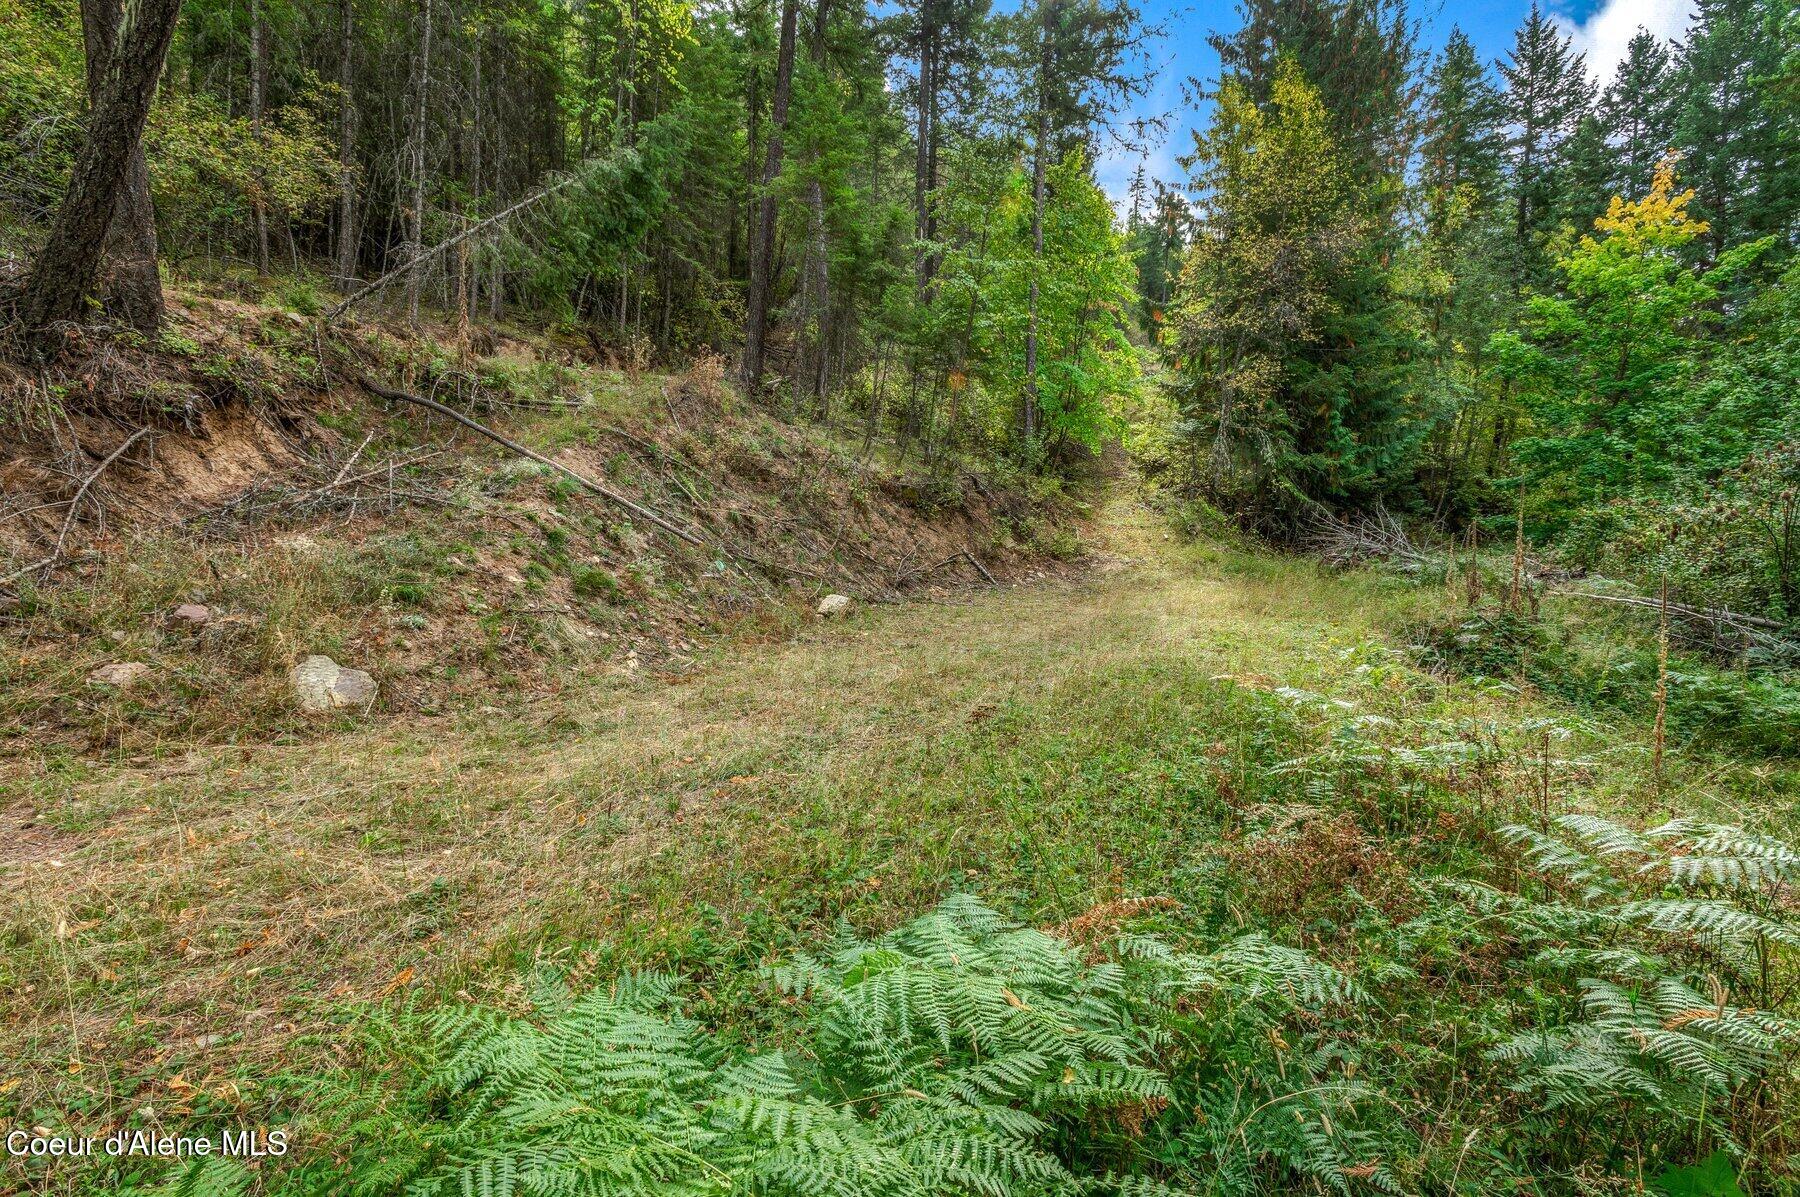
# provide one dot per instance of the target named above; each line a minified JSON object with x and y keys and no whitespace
{"x":178,"y":933}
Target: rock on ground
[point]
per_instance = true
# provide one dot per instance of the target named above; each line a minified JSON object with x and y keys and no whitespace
{"x":122,"y":674}
{"x":833,"y":605}
{"x":193,"y":615}
{"x":321,"y":684}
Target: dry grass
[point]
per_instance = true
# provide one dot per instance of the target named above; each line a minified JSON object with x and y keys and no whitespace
{"x":178,"y":933}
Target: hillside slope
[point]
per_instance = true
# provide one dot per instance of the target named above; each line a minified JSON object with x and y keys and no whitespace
{"x":253,"y":474}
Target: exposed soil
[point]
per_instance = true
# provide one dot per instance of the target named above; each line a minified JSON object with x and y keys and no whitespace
{"x":309,"y":516}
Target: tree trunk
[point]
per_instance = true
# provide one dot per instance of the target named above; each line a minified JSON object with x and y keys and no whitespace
{"x":819,"y":251}
{"x":1039,"y":150}
{"x":67,"y":269}
{"x":751,"y":101}
{"x":496,"y":260}
{"x":415,"y":216}
{"x":762,"y":258}
{"x":347,"y":241}
{"x":132,"y":289}
{"x":259,"y":207}
{"x":921,"y":160}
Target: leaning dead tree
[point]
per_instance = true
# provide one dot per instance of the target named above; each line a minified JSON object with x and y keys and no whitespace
{"x":407,"y":269}
{"x":601,"y":489}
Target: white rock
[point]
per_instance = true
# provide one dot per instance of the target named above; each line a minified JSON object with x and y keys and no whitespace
{"x":121,"y":674}
{"x":321,"y":684}
{"x":833,"y":605}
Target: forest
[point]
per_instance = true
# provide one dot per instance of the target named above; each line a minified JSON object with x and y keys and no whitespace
{"x":1389,"y":278}
{"x":895,"y":663}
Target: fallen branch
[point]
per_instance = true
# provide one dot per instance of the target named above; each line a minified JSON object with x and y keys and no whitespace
{"x":928,"y":570}
{"x":1714,"y":615}
{"x":350,"y":461}
{"x":925,"y":571}
{"x":62,"y":535}
{"x":605,"y":492}
{"x":1345,"y":540}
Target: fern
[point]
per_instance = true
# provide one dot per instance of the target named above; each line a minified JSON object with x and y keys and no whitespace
{"x":1664,"y":1044}
{"x":211,"y":1177}
{"x":1645,"y":1035}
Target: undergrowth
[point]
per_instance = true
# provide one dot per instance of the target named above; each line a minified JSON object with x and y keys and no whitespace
{"x":1396,"y":972}
{"x":1754,"y":708}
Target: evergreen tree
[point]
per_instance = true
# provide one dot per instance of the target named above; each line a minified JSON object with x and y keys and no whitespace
{"x":1742,"y":151}
{"x":1457,"y":264}
{"x":1155,"y":237}
{"x":1461,"y":150}
{"x":1290,"y":349}
{"x":1547,"y":94}
{"x":1605,"y":369}
{"x":1590,"y":176}
{"x":1361,"y":56}
{"x":1637,"y":111}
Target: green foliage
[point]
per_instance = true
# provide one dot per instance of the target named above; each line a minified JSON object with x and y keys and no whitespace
{"x":1290,"y":352}
{"x":40,"y":60}
{"x":1667,"y":906}
{"x":959,"y":1054}
{"x":1708,"y":706}
{"x":1085,"y":290}
{"x":208,"y":169}
{"x":1605,"y":372}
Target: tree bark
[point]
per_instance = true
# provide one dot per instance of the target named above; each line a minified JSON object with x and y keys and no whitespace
{"x":347,"y":239}
{"x":259,"y":206}
{"x":69,"y":265}
{"x":1039,"y":150}
{"x":132,"y":289}
{"x":819,"y":251}
{"x":762,"y":258}
{"x":921,"y":160}
{"x":415,"y":216}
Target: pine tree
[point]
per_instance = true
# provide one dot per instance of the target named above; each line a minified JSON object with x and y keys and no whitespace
{"x":1462,"y":146}
{"x":1547,"y":93}
{"x":1590,"y":175}
{"x":1361,"y":56}
{"x":1291,"y":350}
{"x":1638,"y":111}
{"x":1743,"y":151}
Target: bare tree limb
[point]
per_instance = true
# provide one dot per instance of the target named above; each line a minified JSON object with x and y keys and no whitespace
{"x":976,"y":562}
{"x":1715,"y":615}
{"x":62,"y":535}
{"x":605,"y":492}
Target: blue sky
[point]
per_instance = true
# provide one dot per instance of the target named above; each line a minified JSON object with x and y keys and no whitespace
{"x":1600,"y":28}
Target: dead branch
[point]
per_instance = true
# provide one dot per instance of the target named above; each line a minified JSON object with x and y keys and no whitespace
{"x":605,"y":492}
{"x":62,"y":535}
{"x":1736,"y":620}
{"x":1344,"y":540}
{"x":927,"y":570}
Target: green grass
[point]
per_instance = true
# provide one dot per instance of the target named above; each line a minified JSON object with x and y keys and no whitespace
{"x":226,"y":920}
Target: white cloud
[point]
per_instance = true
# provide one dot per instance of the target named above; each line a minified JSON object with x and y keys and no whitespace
{"x":1605,"y":35}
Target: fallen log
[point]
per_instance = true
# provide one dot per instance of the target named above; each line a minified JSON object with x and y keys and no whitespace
{"x":1736,"y":619}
